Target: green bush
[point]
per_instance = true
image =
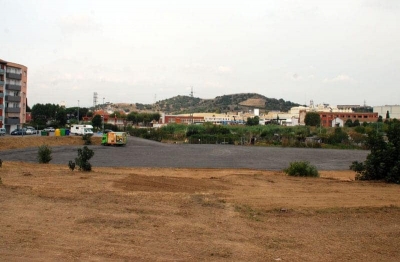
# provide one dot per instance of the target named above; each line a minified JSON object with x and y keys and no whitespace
{"x":84,"y":155}
{"x":44,"y":154}
{"x":87,"y":138}
{"x":301,"y":168}
{"x":383,"y":163}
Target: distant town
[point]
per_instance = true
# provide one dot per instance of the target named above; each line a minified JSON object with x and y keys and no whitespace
{"x":15,"y":113}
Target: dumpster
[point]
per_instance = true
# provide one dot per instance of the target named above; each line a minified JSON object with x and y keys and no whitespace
{"x":67,"y":132}
{"x":62,"y":131}
{"x":57,"y":132}
{"x":43,"y":133}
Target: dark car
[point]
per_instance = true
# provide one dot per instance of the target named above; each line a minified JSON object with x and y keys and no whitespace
{"x":17,"y":132}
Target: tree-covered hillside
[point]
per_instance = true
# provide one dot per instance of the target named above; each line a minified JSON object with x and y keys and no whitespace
{"x":225,"y":103}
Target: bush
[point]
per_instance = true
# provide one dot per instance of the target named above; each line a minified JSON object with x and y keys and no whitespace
{"x":44,"y":154}
{"x":301,"y":168}
{"x":84,"y":155}
{"x":87,"y":138}
{"x":383,"y":163}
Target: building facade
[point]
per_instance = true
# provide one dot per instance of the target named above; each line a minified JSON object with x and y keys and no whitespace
{"x":13,"y":95}
{"x":329,"y":119}
{"x":394,"y":111}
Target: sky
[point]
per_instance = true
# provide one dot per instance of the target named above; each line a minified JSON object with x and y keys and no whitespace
{"x":336,"y":52}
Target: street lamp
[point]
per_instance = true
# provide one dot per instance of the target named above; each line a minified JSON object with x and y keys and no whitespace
{"x":103,"y":114}
{"x":78,"y":111}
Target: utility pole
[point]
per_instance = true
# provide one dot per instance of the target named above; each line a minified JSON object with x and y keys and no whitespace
{"x":103,"y":114}
{"x":78,"y":111}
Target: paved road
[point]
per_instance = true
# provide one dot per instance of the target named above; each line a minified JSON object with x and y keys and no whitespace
{"x":144,"y":153}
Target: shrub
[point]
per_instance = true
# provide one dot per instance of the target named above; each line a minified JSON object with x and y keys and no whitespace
{"x":84,"y":155}
{"x":44,"y":154}
{"x":87,"y":138}
{"x":71,"y":165}
{"x":301,"y":168}
{"x":383,"y":163}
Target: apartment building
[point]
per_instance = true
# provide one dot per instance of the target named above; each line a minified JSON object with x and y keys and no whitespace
{"x":13,"y":90}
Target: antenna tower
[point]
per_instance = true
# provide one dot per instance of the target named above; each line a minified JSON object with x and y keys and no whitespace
{"x":94,"y":99}
{"x":191,"y":91}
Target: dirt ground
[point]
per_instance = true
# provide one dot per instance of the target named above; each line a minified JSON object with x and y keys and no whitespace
{"x":168,"y":214}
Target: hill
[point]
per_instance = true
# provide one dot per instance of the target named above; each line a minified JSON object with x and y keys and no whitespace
{"x":221,"y":104}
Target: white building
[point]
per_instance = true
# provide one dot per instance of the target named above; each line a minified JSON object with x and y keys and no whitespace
{"x":394,"y":111}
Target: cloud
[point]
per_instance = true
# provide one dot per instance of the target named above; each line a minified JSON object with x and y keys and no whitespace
{"x":339,"y":78}
{"x":224,"y":69}
{"x":78,"y":24}
{"x":202,"y":68}
{"x":297,"y":77}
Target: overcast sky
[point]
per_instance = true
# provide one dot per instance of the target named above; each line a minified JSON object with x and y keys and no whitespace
{"x":336,"y":52}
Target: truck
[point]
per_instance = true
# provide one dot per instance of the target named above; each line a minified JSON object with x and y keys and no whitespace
{"x":80,"y":130}
{"x":114,"y":139}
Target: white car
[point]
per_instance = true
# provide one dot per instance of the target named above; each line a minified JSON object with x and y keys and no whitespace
{"x":49,"y":129}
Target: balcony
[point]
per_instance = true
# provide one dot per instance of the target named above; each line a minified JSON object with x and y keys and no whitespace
{"x":1,"y":83}
{"x":1,"y":118}
{"x":13,"y":87}
{"x":13,"y":110}
{"x":13,"y":98}
{"x":14,"y":76}
{"x":1,"y":71}
{"x":12,"y":121}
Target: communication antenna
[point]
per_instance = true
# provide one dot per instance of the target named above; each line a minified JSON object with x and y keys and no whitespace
{"x":94,"y":99}
{"x":191,"y":91}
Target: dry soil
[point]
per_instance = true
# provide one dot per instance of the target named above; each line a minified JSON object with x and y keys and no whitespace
{"x":176,"y":214}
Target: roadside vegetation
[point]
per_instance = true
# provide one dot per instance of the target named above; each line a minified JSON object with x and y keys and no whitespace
{"x":383,"y":163}
{"x":347,"y":137}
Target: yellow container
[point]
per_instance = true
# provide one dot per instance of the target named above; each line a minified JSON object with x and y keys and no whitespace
{"x":57,"y":132}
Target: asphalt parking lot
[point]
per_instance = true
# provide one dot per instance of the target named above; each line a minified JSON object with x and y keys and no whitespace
{"x":144,"y":153}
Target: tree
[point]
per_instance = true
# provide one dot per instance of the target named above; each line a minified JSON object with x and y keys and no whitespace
{"x":349,"y":123}
{"x":42,"y":113}
{"x":97,"y":121}
{"x":253,"y":121}
{"x":383,"y":163}
{"x":387,"y":115}
{"x":312,"y":119}
{"x":61,"y":116}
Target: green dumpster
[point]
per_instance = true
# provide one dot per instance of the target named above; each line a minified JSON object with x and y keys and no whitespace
{"x":43,"y":133}
{"x":62,"y":131}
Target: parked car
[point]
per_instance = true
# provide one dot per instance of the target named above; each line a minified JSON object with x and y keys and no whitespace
{"x":19,"y":132}
{"x":2,"y":131}
{"x":31,"y":130}
{"x":49,"y":129}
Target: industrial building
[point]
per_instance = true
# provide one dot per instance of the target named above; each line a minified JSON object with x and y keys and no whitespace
{"x":394,"y":111}
{"x":13,"y":91}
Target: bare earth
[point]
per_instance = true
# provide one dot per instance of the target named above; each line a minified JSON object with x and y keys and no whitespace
{"x":174,"y":214}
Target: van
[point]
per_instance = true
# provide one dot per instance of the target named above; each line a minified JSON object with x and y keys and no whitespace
{"x":81,"y":130}
{"x":2,"y":131}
